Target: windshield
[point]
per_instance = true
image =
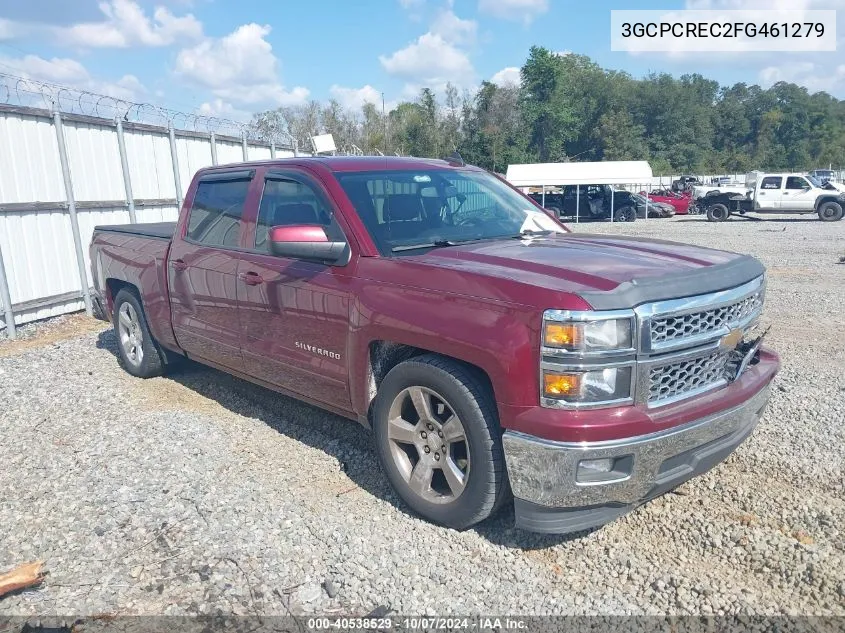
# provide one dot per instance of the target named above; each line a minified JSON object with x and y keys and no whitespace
{"x":814,"y":181}
{"x":410,"y":210}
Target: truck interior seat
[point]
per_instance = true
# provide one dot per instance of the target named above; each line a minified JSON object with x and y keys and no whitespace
{"x":297,"y":213}
{"x":403,"y":213}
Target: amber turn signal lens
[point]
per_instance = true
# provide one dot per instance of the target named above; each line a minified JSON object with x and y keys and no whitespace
{"x":567,"y":335}
{"x":561,"y":385}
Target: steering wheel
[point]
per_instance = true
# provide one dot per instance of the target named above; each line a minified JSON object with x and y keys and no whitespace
{"x":470,"y":221}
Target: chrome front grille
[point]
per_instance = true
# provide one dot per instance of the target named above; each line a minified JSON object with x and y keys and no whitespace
{"x":679,"y":327}
{"x":681,"y":347}
{"x":675,"y":380}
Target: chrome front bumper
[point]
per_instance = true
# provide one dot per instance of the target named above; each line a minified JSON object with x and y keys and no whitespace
{"x":564,"y":487}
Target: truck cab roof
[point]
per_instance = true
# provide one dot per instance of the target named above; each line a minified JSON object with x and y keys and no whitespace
{"x":352,"y":163}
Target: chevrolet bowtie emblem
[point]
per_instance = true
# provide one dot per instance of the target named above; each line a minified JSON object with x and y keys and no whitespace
{"x":731,"y":340}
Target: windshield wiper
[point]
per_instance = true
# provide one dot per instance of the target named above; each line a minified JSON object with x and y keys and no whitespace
{"x":530,"y":233}
{"x":432,"y":244}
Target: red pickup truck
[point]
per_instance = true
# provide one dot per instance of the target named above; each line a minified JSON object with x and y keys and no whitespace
{"x":495,"y":354}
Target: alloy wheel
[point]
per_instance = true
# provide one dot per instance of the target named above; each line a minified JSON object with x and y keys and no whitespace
{"x":130,"y":334}
{"x":428,"y":444}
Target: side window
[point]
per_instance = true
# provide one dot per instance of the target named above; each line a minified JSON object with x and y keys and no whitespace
{"x":286,"y":202}
{"x":215,"y":217}
{"x":771,"y":182}
{"x":796,"y":182}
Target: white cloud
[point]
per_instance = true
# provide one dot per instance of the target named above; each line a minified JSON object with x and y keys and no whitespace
{"x":772,"y":5}
{"x":815,"y":77}
{"x":430,"y":60}
{"x":69,"y":72}
{"x":507,"y":76}
{"x":355,"y":98}
{"x":126,"y":24}
{"x":8,"y":29}
{"x":454,"y":29}
{"x":516,"y":10}
{"x":223,"y":109}
{"x":411,"y":4}
{"x":239,"y":67}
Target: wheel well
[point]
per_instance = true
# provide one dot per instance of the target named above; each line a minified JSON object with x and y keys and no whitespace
{"x":114,"y":286}
{"x":385,"y":355}
{"x":826,"y":199}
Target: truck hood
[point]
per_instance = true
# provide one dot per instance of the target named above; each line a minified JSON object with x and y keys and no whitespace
{"x":609,"y":272}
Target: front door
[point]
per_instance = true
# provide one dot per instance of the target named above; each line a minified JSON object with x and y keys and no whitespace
{"x":294,"y":314}
{"x":203,"y":267}
{"x":798,"y":194}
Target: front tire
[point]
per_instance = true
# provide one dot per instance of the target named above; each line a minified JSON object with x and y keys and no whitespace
{"x":830,"y":212}
{"x":717,"y":213}
{"x":139,"y":353}
{"x":438,"y":439}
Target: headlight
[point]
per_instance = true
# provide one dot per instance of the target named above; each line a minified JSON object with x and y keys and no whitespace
{"x":589,"y":336}
{"x":601,"y":385}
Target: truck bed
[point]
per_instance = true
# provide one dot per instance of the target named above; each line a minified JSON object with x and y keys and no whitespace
{"x":160,"y":230}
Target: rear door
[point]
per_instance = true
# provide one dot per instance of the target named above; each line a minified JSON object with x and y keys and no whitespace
{"x":770,"y":193}
{"x":294,"y":314}
{"x":798,"y":194}
{"x":203,"y":268}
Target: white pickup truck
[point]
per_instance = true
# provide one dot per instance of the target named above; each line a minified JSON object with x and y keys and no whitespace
{"x":775,"y":193}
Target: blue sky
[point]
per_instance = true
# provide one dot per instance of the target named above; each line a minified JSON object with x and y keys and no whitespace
{"x":232,"y":58}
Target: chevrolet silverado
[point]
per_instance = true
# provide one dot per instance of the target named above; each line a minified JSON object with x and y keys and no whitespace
{"x":496,"y":356}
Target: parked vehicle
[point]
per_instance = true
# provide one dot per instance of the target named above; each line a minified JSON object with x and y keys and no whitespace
{"x":680,"y":202}
{"x":490,"y":350}
{"x":823,"y":175}
{"x":723,"y":181}
{"x":685,"y":183}
{"x":592,"y":201}
{"x":699,"y":191}
{"x":655,"y":209}
{"x":776,"y":193}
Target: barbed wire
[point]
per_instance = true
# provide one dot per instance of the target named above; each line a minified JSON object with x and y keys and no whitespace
{"x":28,"y":92}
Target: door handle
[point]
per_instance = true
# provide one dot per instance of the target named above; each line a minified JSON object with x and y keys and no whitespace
{"x":251,"y":279}
{"x":178,"y":264}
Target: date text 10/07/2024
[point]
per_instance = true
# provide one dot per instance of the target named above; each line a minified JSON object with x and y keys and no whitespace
{"x":418,"y":624}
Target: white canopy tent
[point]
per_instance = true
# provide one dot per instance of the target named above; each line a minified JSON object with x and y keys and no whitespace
{"x":621,"y":172}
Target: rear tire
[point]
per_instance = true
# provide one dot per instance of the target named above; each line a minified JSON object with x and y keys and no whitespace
{"x":830,"y":212}
{"x":717,"y":213}
{"x":438,"y":439}
{"x":138,"y":351}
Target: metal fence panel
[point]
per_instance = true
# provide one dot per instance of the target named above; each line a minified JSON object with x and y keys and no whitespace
{"x":94,"y":161}
{"x":158,"y":214}
{"x":150,"y":168}
{"x":29,"y":159}
{"x":193,"y":154}
{"x":259,"y":152}
{"x":39,"y":257}
{"x":229,"y":152}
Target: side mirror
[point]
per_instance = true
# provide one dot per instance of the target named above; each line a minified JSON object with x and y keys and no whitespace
{"x":308,"y":242}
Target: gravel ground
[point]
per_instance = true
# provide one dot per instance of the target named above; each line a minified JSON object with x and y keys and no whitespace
{"x":200,"y":493}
